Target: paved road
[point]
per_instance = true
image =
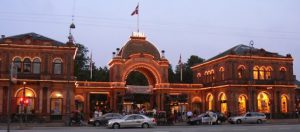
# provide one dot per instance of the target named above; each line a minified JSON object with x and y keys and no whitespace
{"x":204,"y":128}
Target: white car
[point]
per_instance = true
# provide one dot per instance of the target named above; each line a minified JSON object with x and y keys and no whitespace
{"x":249,"y":117}
{"x":133,"y":120}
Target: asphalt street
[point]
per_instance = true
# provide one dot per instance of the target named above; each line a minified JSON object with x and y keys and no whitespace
{"x":203,"y":128}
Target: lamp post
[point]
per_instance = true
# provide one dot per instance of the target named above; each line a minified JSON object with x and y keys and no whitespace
{"x":23,"y":101}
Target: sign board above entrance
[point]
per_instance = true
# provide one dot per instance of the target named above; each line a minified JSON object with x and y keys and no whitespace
{"x":139,"y":89}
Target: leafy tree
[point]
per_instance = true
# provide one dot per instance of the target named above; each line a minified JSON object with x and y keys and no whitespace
{"x":136,"y":78}
{"x":187,"y":73}
{"x":81,"y":59}
{"x":171,"y":74}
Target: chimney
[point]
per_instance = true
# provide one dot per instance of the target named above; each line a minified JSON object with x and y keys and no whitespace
{"x":2,"y":36}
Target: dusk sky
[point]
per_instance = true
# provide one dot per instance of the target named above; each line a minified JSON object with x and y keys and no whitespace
{"x":190,"y":27}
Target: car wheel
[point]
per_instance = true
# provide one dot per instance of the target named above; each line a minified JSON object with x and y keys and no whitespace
{"x":238,"y":121}
{"x":116,"y":126}
{"x":259,"y":121}
{"x":145,"y":125}
{"x":97,"y":123}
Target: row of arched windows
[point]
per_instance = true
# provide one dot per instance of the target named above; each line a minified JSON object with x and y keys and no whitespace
{"x":259,"y":73}
{"x":28,"y":65}
{"x":263,"y":103}
{"x":209,"y":76}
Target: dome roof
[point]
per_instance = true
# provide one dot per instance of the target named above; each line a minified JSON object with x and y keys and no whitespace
{"x":139,"y":45}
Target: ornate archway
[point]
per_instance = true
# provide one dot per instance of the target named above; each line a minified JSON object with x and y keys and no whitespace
{"x":263,"y":102}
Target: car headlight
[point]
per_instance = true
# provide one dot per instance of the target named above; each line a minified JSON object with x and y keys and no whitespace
{"x":92,"y":120}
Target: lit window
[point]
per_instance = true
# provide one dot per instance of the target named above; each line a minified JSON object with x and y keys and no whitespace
{"x":36,"y":66}
{"x":242,"y":104}
{"x":222,"y":73}
{"x":262,"y":73}
{"x":57,"y":66}
{"x":17,"y":63}
{"x":27,"y":65}
{"x":210,"y":102}
{"x":56,"y":103}
{"x":263,"y":102}
{"x":284,"y":105}
{"x":223,"y":102}
{"x":255,"y":73}
{"x":28,"y":100}
{"x":241,"y":72}
{"x":268,"y":73}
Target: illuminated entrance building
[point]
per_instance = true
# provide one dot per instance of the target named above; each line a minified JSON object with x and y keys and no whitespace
{"x":245,"y":79}
{"x":238,"y":80}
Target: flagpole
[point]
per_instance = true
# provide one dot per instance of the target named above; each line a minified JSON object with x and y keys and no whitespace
{"x":138,"y":18}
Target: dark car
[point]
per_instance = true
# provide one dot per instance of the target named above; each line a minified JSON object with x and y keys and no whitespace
{"x":103,"y":120}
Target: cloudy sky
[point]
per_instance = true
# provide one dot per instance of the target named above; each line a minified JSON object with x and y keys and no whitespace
{"x":190,"y":27}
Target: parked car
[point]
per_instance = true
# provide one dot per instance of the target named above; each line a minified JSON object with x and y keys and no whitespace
{"x":218,"y":118}
{"x":133,"y":120}
{"x":249,"y":117}
{"x":103,"y":120}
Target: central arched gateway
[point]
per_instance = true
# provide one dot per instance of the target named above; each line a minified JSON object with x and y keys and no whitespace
{"x":138,"y":55}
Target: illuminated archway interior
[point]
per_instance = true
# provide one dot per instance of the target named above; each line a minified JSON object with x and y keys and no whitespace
{"x":27,"y":101}
{"x":210,"y":101}
{"x":263,"y":102}
{"x":223,"y":101}
{"x":284,"y":105}
{"x":242,"y":104}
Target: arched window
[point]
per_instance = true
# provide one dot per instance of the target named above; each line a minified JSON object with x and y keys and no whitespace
{"x":36,"y":66}
{"x":242,"y":104}
{"x":284,"y":104}
{"x":56,"y":100}
{"x":241,"y":72}
{"x":17,"y":63}
{"x":26,"y":65}
{"x":57,"y":66}
{"x":205,"y":77}
{"x":263,"y":102}
{"x":26,"y":102}
{"x":268,"y":73}
{"x":222,"y":75}
{"x":213,"y":75}
{"x":208,"y":76}
{"x":262,"y":73}
{"x":282,"y":73}
{"x":223,"y":102}
{"x":255,"y":73}
{"x":210,"y":101}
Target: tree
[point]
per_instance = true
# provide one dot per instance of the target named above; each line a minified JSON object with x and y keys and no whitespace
{"x":171,"y":74}
{"x":187,"y":73}
{"x":81,"y":60}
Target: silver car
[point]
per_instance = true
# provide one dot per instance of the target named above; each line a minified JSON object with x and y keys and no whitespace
{"x":133,"y":120}
{"x":249,"y":117}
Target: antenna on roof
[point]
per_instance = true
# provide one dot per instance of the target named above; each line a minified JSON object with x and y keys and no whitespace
{"x":72,"y":26}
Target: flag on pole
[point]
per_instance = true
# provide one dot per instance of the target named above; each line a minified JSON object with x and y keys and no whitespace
{"x":136,"y":11}
{"x":91,"y":66}
{"x":180,"y":66}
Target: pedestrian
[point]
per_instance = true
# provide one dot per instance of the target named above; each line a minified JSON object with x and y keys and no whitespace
{"x":189,"y":114}
{"x":297,"y":114}
{"x":211,"y":117}
{"x":154,"y":112}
